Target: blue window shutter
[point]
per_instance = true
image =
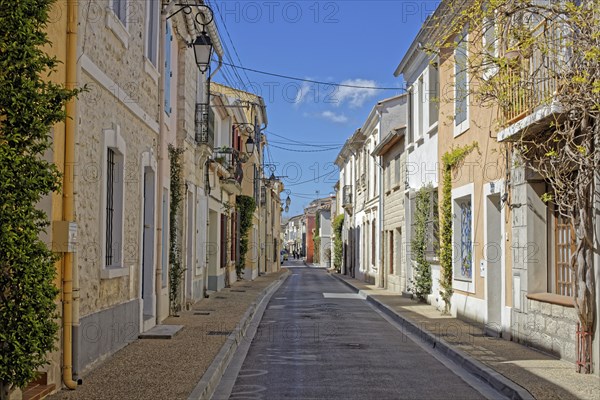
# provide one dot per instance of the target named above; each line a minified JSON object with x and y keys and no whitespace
{"x":460,"y":77}
{"x":168,"y":38}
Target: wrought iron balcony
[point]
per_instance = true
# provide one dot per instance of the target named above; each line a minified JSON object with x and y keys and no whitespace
{"x":347,"y":195}
{"x":531,"y":79}
{"x":204,"y":130}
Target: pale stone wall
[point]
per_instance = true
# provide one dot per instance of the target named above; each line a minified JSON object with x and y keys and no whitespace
{"x":550,"y":328}
{"x":120,"y":94}
{"x":394,"y":212}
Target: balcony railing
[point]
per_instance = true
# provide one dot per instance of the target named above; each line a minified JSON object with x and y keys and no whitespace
{"x":347,"y":195}
{"x":530,"y":80}
{"x":203,"y":129}
{"x":230,"y":159}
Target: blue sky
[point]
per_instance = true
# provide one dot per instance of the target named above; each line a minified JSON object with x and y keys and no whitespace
{"x":355,"y":42}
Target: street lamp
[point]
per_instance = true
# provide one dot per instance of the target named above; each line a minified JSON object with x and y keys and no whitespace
{"x":202,"y":45}
{"x":250,"y":145}
{"x":202,"y":51}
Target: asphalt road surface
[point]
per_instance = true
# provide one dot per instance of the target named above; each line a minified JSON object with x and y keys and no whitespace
{"x":318,"y":340}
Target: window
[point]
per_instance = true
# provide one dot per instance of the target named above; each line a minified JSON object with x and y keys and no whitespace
{"x":375,"y":173}
{"x":373,"y":236}
{"x":397,"y":170}
{"x":433,"y":93}
{"x":421,"y":99}
{"x":234,"y":237}
{"x":432,"y":229}
{"x":490,"y":45}
{"x":388,"y":174}
{"x":461,"y":85}
{"x":223,"y":244}
{"x":564,"y":247}
{"x":463,"y":231}
{"x":168,"y":72}
{"x":113,"y":202}
{"x":391,"y":251}
{"x":152,"y":26}
{"x":112,"y":180}
{"x":411,"y":118}
{"x":119,"y":8}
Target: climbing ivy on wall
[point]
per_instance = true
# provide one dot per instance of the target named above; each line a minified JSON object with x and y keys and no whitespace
{"x":338,"y":224}
{"x":246,"y":206}
{"x":450,"y":161}
{"x":176,"y":268}
{"x":421,"y":282}
{"x":317,"y":239}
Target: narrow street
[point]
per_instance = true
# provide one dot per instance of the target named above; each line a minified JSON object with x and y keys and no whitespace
{"x":318,"y":340}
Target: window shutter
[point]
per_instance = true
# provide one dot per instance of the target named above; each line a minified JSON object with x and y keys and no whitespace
{"x":151,"y":32}
{"x":460,"y":77}
{"x":168,"y":73}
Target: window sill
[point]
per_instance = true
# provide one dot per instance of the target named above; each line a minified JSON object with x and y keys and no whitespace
{"x":432,"y":129}
{"x":410,"y":147}
{"x":151,"y":70}
{"x":552,"y":298}
{"x":463,"y":285}
{"x":420,"y":140}
{"x":115,"y":272}
{"x":116,"y":26}
{"x":461,"y":128}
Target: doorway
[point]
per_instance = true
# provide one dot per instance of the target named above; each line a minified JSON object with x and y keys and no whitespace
{"x":147,"y":292}
{"x":493,"y":259}
{"x":190,"y":240}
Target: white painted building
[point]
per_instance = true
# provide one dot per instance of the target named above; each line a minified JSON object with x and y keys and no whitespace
{"x":420,"y":73}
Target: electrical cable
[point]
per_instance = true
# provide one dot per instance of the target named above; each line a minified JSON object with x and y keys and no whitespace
{"x":305,"y":145}
{"x":295,"y":141}
{"x":308,"y":180}
{"x":305,"y":151}
{"x":313,"y":81}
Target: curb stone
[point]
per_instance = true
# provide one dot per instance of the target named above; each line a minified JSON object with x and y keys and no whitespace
{"x":205,"y":388}
{"x":486,"y":374}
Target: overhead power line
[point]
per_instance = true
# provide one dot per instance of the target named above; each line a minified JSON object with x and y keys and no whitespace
{"x":321,"y":144}
{"x":313,"y":81}
{"x":313,"y":179}
{"x":304,"y":151}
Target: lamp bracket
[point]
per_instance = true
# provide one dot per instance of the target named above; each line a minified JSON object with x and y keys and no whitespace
{"x":187,"y":9}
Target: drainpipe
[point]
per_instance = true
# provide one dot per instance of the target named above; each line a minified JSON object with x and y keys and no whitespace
{"x":381,"y":214}
{"x":68,"y":285}
{"x":162,"y":156}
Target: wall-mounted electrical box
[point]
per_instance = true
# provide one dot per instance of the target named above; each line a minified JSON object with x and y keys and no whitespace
{"x":64,"y":236}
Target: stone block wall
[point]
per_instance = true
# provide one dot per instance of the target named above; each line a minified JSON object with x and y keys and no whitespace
{"x":550,"y":328}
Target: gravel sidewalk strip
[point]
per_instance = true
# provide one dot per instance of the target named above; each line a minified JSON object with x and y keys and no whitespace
{"x":170,"y":369}
{"x":544,"y":376}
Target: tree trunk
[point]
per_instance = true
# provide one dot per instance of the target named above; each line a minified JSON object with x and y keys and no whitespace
{"x":4,"y":390}
{"x":583,"y":266}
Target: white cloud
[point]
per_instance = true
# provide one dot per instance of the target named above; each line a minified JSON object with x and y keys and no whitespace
{"x":355,"y":97}
{"x":337,"y":118}
{"x":302,"y":93}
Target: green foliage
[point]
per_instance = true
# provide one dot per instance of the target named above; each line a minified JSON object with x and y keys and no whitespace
{"x":176,"y":268}
{"x":422,"y":278}
{"x":338,"y":224}
{"x":29,"y":107}
{"x":246,"y":206}
{"x":317,"y":249}
{"x":317,"y":239}
{"x":450,"y":160}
